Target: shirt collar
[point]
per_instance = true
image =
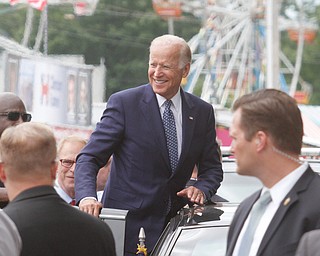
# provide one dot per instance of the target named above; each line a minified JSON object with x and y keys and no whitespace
{"x":62,"y":193}
{"x":176,"y":100}
{"x":282,"y":188}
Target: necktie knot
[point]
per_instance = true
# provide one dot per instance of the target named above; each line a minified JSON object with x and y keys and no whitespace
{"x":265,"y":198}
{"x":167,"y":104}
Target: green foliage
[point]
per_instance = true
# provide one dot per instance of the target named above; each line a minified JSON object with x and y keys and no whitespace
{"x":120,"y":31}
{"x":12,"y":20}
{"x":311,"y":58}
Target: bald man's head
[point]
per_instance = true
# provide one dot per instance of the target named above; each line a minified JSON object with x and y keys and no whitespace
{"x":12,"y":110}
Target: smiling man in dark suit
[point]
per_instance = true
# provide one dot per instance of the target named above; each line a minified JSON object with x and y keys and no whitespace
{"x":267,"y":133}
{"x":143,"y":179}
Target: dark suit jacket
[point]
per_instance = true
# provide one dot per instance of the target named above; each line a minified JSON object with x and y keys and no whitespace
{"x":309,"y":244}
{"x":140,"y":179}
{"x":49,"y":226}
{"x":289,"y":223}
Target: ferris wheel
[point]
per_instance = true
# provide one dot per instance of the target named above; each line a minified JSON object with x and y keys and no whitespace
{"x":229,"y":52}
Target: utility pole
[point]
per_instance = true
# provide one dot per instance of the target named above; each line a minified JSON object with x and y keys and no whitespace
{"x":272,"y":44}
{"x":170,"y":26}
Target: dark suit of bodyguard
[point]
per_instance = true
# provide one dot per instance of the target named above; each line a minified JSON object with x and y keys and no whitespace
{"x":292,"y":219}
{"x":267,"y":132}
{"x":141,"y":179}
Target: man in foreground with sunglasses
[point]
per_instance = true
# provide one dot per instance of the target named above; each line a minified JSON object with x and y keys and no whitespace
{"x":12,"y":112}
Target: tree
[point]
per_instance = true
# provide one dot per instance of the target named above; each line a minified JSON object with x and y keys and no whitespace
{"x":120,"y":31}
{"x":311,"y":55}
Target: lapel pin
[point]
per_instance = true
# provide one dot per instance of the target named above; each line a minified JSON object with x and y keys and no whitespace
{"x":190,"y":117}
{"x":287,"y":201}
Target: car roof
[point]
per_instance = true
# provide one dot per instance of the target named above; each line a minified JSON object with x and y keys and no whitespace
{"x":235,"y":188}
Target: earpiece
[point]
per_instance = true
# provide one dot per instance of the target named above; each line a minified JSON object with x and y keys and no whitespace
{"x":257,"y":141}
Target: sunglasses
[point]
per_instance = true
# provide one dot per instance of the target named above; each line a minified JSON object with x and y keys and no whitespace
{"x":14,"y":116}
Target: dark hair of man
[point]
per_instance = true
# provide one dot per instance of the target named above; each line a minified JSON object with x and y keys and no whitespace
{"x":275,"y":113}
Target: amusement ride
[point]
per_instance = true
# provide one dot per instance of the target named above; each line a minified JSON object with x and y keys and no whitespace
{"x":237,"y":49}
{"x":231,"y":51}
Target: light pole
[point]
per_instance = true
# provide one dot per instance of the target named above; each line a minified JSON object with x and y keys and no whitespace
{"x":272,"y":44}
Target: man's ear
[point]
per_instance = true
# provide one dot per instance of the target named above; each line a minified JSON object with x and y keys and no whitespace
{"x":186,"y":70}
{"x":3,"y":176}
{"x":260,"y":139}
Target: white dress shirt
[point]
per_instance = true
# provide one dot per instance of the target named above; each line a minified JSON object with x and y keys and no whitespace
{"x":62,"y":193}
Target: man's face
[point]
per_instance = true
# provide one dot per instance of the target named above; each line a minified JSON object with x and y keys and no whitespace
{"x":10,"y":105}
{"x":68,"y":154}
{"x":164,"y":72}
{"x":242,"y":149}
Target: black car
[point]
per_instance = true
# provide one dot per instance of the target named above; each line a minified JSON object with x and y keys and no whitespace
{"x":197,"y":231}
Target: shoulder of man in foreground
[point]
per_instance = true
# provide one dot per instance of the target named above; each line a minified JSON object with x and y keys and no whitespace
{"x":309,"y":244}
{"x":10,"y":240}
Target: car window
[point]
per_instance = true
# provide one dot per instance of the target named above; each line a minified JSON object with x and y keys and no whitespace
{"x":204,"y":241}
{"x":235,"y":188}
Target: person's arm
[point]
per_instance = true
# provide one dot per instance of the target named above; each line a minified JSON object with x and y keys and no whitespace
{"x":208,"y":170}
{"x":102,"y":142}
{"x":210,"y":173}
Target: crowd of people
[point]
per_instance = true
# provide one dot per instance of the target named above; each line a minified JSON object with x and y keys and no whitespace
{"x":144,"y":167}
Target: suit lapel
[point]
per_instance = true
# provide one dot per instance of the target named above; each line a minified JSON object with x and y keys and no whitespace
{"x":188,"y":124}
{"x":285,"y":205}
{"x":150,"y":109}
{"x":241,"y":218}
